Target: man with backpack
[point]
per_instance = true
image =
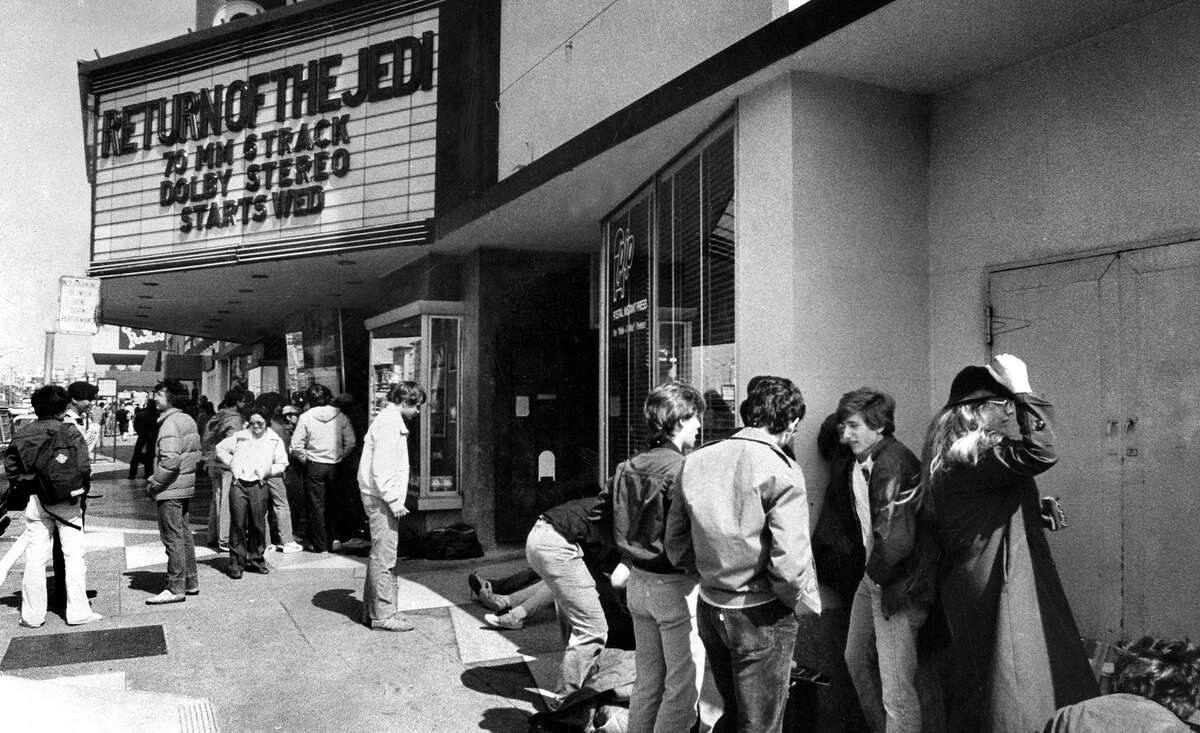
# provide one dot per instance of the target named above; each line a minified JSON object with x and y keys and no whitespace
{"x":49,"y":471}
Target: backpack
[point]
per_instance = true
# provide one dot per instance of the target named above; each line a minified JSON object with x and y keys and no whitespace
{"x":56,"y":468}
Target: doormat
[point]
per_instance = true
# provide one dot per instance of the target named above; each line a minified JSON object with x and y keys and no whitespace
{"x":52,"y":650}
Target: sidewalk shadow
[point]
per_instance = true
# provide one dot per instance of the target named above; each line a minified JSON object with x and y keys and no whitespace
{"x":146,"y":580}
{"x":512,"y":681}
{"x":339,"y":600}
{"x":54,"y":603}
{"x":504,"y":720}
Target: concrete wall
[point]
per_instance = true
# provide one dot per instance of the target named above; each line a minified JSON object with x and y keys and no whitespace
{"x":627,"y":51}
{"x":1091,"y":146}
{"x":832,"y":201}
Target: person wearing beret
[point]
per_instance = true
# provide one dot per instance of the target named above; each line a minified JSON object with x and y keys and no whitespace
{"x":1017,"y":652}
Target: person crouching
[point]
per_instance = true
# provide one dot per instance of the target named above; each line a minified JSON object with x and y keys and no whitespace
{"x":253,"y":455}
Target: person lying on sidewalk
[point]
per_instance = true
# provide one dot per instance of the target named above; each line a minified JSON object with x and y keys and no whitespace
{"x":510,"y":611}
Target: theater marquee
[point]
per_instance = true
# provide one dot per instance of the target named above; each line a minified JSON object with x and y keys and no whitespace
{"x":331,"y":133}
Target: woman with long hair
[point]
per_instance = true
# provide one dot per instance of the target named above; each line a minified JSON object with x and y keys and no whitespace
{"x":1017,"y":652}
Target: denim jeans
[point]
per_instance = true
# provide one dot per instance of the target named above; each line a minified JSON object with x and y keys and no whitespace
{"x":40,"y":527}
{"x":218,"y":507}
{"x":379,"y":590}
{"x":530,"y":599}
{"x":881,"y":654}
{"x":279,"y":519}
{"x":669,"y":657}
{"x":177,"y":538}
{"x":560,"y":564}
{"x":318,"y":482}
{"x":248,"y":524}
{"x":750,"y":653}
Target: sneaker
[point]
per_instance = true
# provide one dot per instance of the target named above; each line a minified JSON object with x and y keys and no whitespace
{"x":356,"y":543}
{"x":192,"y":591}
{"x":165,"y":597}
{"x":503,"y":621}
{"x":395,"y":622}
{"x":259,"y":569}
{"x":290,"y":547}
{"x":492,"y":601}
{"x":28,"y":625}
{"x":336,"y":546}
{"x":271,"y":548}
{"x":222,"y":547}
{"x":90,"y":618}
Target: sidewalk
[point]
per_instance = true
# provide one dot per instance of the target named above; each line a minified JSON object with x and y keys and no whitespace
{"x":280,"y":652}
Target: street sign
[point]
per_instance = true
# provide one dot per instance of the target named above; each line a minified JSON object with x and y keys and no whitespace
{"x":78,"y":305}
{"x":108,"y":387}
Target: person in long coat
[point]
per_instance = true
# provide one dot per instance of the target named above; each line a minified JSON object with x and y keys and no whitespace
{"x":1017,"y":652}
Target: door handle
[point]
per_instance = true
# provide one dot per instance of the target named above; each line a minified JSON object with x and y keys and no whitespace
{"x":1130,"y":424}
{"x":1112,"y":425}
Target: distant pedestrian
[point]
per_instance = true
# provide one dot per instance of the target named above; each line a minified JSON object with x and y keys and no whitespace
{"x":145,"y":424}
{"x":51,"y":442}
{"x":204,"y":413}
{"x":253,"y":456}
{"x":383,"y":489}
{"x":323,"y":437}
{"x":123,"y":419}
{"x":1017,"y":653}
{"x":743,"y":512}
{"x":173,"y":485}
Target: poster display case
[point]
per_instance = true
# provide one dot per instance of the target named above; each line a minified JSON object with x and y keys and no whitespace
{"x":422,"y":342}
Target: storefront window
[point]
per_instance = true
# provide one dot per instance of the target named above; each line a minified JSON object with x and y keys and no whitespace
{"x":313,"y":346}
{"x":628,"y":305}
{"x":416,"y":343}
{"x":689,"y":324}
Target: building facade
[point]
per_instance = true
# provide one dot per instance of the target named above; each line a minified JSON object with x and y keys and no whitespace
{"x":540,"y":210}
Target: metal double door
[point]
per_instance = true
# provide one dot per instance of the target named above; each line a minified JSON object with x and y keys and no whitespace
{"x":1113,"y":341}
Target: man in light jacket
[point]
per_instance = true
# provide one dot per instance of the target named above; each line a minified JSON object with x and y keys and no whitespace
{"x":743,"y":513}
{"x":383,"y":487}
{"x":322,"y":439}
{"x":172,"y":486}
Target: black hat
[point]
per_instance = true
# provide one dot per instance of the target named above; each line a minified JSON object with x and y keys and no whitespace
{"x":975,"y":383}
{"x":82,"y":391}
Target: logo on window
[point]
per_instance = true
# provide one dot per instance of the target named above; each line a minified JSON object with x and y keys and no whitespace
{"x":622,"y":262}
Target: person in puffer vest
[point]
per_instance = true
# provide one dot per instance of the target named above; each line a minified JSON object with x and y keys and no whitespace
{"x":172,"y":486}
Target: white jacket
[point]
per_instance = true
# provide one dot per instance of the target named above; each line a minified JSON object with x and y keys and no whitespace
{"x":323,"y":435}
{"x":383,"y":469}
{"x":253,"y":459}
